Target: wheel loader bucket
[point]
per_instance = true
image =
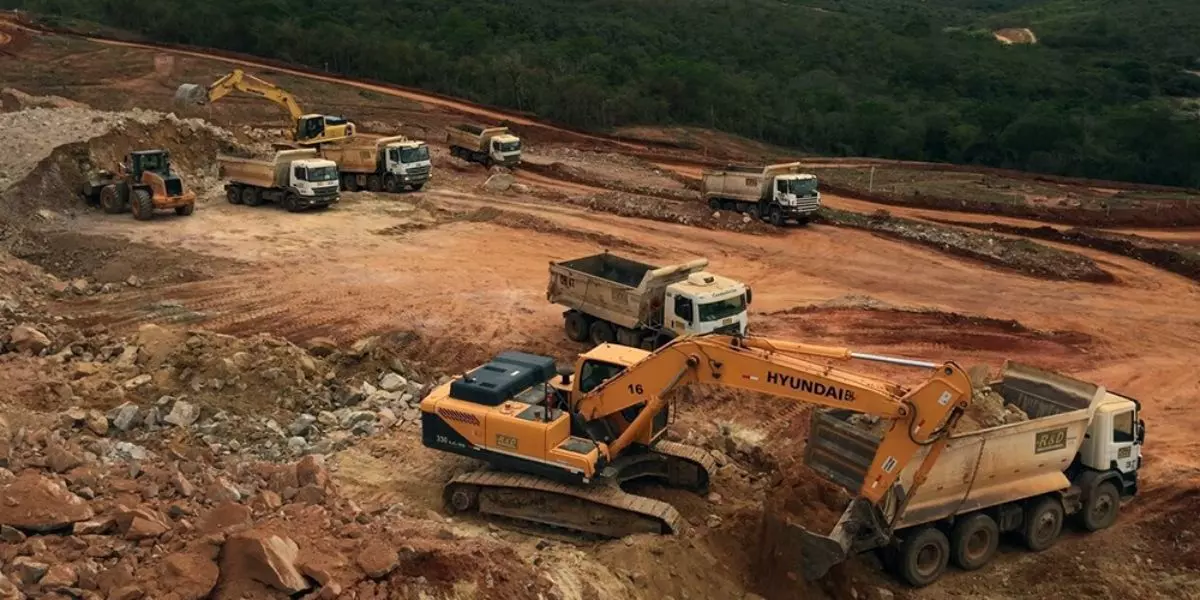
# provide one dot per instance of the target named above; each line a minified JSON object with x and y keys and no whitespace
{"x":190,"y":93}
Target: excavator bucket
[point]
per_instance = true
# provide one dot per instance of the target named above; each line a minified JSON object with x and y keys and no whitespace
{"x":190,"y":93}
{"x":792,"y":550}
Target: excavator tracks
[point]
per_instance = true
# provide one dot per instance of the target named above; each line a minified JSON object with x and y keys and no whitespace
{"x":601,"y":509}
{"x":676,"y":465}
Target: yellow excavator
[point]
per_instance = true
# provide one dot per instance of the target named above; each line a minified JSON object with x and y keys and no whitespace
{"x":563,"y":442}
{"x":310,"y":129}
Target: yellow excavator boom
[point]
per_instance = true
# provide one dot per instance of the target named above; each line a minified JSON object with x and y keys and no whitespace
{"x":919,"y":416}
{"x":238,"y":80}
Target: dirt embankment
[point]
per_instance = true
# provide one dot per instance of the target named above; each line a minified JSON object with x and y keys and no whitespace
{"x":1181,"y":259}
{"x":1135,"y":213}
{"x":564,"y":172}
{"x":1019,"y":255}
{"x":692,"y":213}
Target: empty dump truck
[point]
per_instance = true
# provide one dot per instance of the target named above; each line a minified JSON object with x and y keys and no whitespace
{"x":484,"y":145}
{"x":615,"y":299}
{"x":1077,"y":456}
{"x":777,"y":193}
{"x":296,"y":179}
{"x":377,"y":163}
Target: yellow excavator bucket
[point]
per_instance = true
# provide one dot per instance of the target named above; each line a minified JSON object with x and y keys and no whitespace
{"x":190,"y":93}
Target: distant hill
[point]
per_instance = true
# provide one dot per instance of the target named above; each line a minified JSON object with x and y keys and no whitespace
{"x":1099,"y":95}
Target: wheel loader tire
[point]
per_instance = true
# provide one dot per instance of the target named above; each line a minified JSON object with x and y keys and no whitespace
{"x":602,"y":333}
{"x":250,"y":197}
{"x":1043,"y":523}
{"x":923,"y":556}
{"x":233,"y":195}
{"x":576,"y":326}
{"x":143,"y":205}
{"x":373,"y":183}
{"x":1101,"y":507}
{"x":185,"y":210}
{"x":109,"y":201}
{"x":973,"y":541}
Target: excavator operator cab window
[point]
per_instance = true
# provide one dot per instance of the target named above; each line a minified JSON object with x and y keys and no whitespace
{"x":683,"y":309}
{"x":595,"y":372}
{"x":311,"y":128}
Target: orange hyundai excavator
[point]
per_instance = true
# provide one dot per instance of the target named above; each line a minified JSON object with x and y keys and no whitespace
{"x":562,"y":446}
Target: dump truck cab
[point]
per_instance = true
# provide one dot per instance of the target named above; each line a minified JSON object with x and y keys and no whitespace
{"x":505,"y":149}
{"x":798,"y":190}
{"x":314,"y":177}
{"x":706,"y":303}
{"x":1112,"y":445}
{"x":409,"y":162}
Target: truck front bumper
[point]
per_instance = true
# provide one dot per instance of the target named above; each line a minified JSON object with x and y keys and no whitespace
{"x":319,"y":199}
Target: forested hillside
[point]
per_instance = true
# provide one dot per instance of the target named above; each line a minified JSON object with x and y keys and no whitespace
{"x":1100,"y":95}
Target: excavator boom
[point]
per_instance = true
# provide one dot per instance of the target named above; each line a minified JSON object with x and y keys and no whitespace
{"x":310,"y":129}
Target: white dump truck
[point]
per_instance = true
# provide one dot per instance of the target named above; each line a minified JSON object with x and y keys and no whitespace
{"x":778,"y":193}
{"x":484,"y":145}
{"x":376,"y":163}
{"x":1077,"y":456}
{"x":295,"y":179}
{"x":615,"y":299}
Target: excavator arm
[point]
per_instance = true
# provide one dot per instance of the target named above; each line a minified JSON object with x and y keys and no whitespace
{"x":239,"y":81}
{"x":919,"y":416}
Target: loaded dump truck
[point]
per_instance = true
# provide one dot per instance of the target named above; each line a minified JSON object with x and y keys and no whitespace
{"x":380,"y":163}
{"x":296,"y":179}
{"x":777,"y":193}
{"x":484,"y":145}
{"x":1077,"y":455}
{"x":615,"y":299}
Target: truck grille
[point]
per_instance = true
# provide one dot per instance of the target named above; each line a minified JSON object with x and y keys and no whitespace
{"x":731,"y":329}
{"x":419,"y":170}
{"x":808,"y":204}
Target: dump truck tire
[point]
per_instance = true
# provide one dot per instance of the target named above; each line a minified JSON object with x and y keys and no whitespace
{"x":350,"y":183}
{"x":602,"y":333}
{"x":292,"y":203}
{"x":1043,"y":523}
{"x":1101,"y":507}
{"x":576,"y":326}
{"x":373,"y":184}
{"x":250,"y":197}
{"x":185,"y":210}
{"x":143,"y":205}
{"x":714,"y":203}
{"x":110,"y":202}
{"x":923,"y":556}
{"x":973,"y":541}
{"x":777,"y":216}
{"x":391,"y":184}
{"x":233,"y":195}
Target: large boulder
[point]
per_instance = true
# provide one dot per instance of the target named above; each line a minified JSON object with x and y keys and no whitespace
{"x":33,"y":502}
{"x":189,"y":575}
{"x":27,"y":339}
{"x":264,"y":557}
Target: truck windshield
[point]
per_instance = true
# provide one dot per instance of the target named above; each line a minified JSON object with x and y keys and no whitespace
{"x":802,"y":187}
{"x":412,"y":155}
{"x":322,"y":174}
{"x":509,"y":146}
{"x":715,"y":311}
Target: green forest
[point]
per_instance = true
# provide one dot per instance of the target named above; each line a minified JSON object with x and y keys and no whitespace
{"x":1108,"y":92}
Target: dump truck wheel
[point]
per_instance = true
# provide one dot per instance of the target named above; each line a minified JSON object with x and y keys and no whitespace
{"x":754,"y":213}
{"x":185,"y":210}
{"x":714,"y":203}
{"x":974,"y":541}
{"x":577,"y":326}
{"x":391,"y":184}
{"x":776,"y":216}
{"x":1043,"y":523}
{"x":109,"y":200}
{"x":143,"y":205}
{"x":250,"y":197}
{"x":923,"y":556}
{"x":373,"y":184}
{"x":1101,"y":508}
{"x":602,"y":333}
{"x":292,"y":203}
{"x":233,"y":195}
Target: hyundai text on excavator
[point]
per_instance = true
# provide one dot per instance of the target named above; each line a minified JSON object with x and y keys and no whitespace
{"x":310,"y":129}
{"x":561,"y":447}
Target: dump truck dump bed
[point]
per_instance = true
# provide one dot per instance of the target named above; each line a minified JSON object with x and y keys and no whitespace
{"x":262,"y":173}
{"x":620,"y":290}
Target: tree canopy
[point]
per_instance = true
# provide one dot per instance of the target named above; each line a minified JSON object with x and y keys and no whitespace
{"x":1100,"y":95}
